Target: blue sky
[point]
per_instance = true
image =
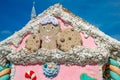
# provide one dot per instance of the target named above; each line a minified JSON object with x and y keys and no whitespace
{"x":105,"y":14}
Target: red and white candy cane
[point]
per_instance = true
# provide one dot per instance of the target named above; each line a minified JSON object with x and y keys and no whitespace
{"x":30,"y":75}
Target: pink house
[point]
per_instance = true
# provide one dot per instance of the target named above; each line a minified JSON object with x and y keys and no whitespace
{"x":57,"y":45}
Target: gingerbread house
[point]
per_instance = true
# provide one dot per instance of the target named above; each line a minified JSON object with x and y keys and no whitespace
{"x":57,"y":45}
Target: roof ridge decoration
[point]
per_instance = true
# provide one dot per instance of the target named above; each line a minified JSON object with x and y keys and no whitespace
{"x":102,"y":40}
{"x":33,"y":12}
{"x":59,"y":10}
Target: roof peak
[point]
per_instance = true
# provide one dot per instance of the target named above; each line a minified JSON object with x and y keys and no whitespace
{"x":33,"y":12}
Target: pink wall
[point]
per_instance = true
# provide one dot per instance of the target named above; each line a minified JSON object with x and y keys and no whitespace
{"x":66,"y":72}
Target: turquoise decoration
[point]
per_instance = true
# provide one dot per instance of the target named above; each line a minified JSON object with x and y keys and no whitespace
{"x":114,"y":62}
{"x":86,"y":77}
{"x":113,"y":75}
{"x":51,"y":69}
{"x":7,"y":76}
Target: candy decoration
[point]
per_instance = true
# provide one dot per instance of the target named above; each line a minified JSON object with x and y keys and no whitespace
{"x":111,"y":70}
{"x":84,"y":76}
{"x":114,"y":62}
{"x":51,"y":69}
{"x":112,"y":75}
{"x":114,"y":69}
{"x":30,"y":75}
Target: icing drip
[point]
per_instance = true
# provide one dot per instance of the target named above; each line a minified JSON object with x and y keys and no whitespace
{"x":49,"y":19}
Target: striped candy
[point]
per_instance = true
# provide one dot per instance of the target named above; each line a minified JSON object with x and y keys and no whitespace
{"x":30,"y":75}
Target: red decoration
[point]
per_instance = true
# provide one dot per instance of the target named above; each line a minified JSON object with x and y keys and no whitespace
{"x":30,"y":75}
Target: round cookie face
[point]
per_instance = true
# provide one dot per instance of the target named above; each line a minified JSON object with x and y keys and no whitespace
{"x":33,"y":43}
{"x":48,"y":34}
{"x":49,"y":29}
{"x":68,"y":38}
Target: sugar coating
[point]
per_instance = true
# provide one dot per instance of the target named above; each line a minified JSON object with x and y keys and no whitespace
{"x":49,"y":19}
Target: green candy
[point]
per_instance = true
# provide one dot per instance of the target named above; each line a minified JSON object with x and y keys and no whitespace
{"x":113,"y":75}
{"x":114,"y":62}
{"x":5,"y":77}
{"x":86,"y":77}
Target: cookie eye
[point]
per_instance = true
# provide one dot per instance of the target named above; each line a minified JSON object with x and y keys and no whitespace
{"x":55,"y":67}
{"x":44,"y":27}
{"x":52,"y":27}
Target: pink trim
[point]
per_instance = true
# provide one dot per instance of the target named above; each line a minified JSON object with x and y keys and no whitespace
{"x":62,"y":25}
{"x":22,"y":43}
{"x":88,"y":42}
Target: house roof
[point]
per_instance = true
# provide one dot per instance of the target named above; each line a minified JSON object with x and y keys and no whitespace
{"x":103,"y":41}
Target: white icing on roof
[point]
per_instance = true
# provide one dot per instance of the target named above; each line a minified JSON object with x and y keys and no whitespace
{"x":49,"y":19}
{"x":102,"y":40}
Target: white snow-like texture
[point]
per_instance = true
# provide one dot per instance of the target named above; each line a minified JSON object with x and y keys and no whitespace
{"x":106,"y":46}
{"x":49,"y":19}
